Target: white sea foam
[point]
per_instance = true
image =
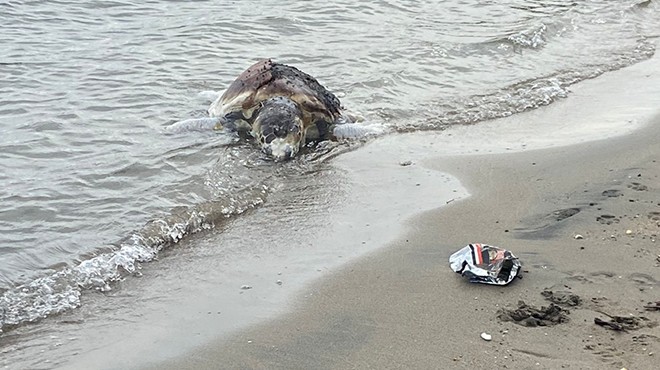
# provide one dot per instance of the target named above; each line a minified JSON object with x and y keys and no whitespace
{"x":62,"y":290}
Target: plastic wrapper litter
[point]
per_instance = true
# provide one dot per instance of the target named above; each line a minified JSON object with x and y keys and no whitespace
{"x":483,"y":263}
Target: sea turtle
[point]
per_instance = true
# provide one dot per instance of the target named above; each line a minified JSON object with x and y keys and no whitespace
{"x":282,"y":107}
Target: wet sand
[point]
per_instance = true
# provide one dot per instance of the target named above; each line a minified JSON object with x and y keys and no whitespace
{"x":402,"y":307}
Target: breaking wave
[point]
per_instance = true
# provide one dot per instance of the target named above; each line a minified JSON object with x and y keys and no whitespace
{"x":62,"y":290}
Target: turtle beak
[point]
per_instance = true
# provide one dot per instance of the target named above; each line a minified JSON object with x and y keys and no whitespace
{"x":280,"y":149}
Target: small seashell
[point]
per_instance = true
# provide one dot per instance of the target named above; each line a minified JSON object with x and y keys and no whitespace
{"x":628,"y":232}
{"x":487,"y":337}
{"x":578,"y":236}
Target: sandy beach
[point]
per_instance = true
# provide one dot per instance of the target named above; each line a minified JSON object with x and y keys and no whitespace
{"x":583,"y":218}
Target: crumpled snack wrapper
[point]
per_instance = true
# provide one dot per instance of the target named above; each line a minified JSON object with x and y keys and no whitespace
{"x":486,"y":264}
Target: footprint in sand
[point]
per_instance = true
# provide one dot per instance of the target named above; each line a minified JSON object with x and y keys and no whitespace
{"x":654,"y":216}
{"x":643,"y":279}
{"x":612,"y":193}
{"x":563,"y":214}
{"x":545,"y":225}
{"x":637,"y":186}
{"x":607,"y":219}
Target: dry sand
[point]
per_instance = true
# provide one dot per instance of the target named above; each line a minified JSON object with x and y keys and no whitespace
{"x":402,"y":307}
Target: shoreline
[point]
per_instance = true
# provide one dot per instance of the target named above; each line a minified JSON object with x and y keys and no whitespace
{"x":390,"y":308}
{"x":384,"y":236}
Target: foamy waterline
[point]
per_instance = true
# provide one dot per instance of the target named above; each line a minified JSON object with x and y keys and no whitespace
{"x":62,"y":290}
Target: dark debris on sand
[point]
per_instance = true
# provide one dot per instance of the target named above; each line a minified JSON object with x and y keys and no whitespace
{"x":562,"y":297}
{"x":530,"y":316}
{"x":621,"y":323}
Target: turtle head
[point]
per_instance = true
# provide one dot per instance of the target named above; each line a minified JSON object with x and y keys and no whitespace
{"x":278,"y":128}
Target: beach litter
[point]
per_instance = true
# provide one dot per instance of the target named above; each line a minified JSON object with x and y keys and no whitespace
{"x":486,"y":264}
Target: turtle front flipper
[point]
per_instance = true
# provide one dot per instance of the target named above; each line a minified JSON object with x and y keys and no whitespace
{"x":228,"y":122}
{"x":319,"y":131}
{"x":195,"y":124}
{"x":355,"y":130}
{"x":237,"y":125}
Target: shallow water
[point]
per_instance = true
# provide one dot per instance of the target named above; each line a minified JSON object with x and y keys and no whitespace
{"x":92,"y":184}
